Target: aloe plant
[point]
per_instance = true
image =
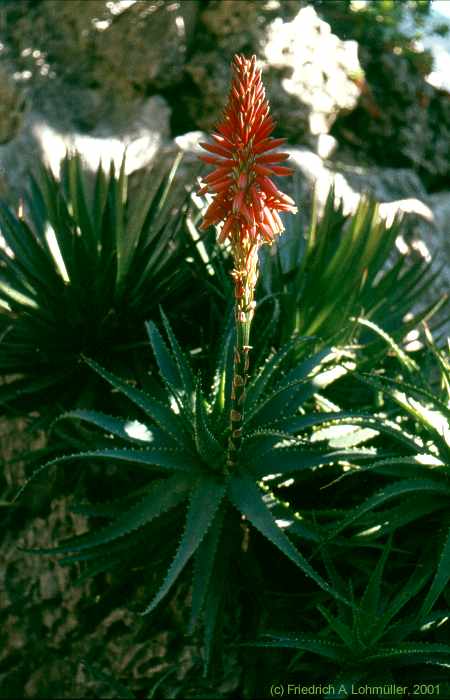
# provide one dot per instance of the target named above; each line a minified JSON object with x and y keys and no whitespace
{"x":375,"y":637}
{"x":180,"y":448}
{"x":82,"y":267}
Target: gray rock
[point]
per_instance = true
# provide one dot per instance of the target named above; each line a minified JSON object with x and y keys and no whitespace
{"x":439,"y":242}
{"x":119,"y":49}
{"x":320,"y":69}
{"x":149,"y":50}
{"x":240,"y":26}
{"x":84,"y":67}
{"x":142,"y":137}
{"x":386,"y":185}
{"x":326,"y":146}
{"x":233,"y":23}
{"x":401,"y":120}
{"x":189,"y":143}
{"x":210,"y":72}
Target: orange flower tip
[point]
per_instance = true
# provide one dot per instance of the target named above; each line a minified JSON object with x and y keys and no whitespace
{"x":268,"y":145}
{"x":219,"y":150}
{"x":278,"y":221}
{"x":272,"y":158}
{"x":266,"y":232}
{"x":287,"y":199}
{"x":220,"y":162}
{"x":269,"y":220}
{"x":222,"y":237}
{"x":262,"y":170}
{"x":218,"y":174}
{"x":209,"y":160}
{"x":220,"y":185}
{"x":264,"y":131}
{"x":269,"y":188}
{"x":281,"y":206}
{"x":243,"y":157}
{"x":225,"y":130}
{"x":282,"y":170}
{"x":255,"y":196}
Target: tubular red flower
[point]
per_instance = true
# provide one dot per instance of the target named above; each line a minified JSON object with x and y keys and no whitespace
{"x":244,"y":196}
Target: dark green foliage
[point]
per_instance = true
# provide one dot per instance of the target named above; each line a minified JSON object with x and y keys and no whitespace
{"x":396,"y":631}
{"x":341,"y":269}
{"x":425,"y":414}
{"x":376,"y":636}
{"x":344,"y":446}
{"x":183,"y":451}
{"x":82,"y":270}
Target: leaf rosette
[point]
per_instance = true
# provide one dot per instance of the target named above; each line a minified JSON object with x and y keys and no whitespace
{"x":181,"y":444}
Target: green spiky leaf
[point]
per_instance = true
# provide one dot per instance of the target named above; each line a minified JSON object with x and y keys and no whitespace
{"x":160,"y":497}
{"x":206,"y":498}
{"x":247,"y":498}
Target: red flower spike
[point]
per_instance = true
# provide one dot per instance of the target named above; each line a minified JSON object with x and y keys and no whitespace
{"x":244,"y":197}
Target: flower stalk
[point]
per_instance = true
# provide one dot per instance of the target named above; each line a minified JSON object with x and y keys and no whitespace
{"x":245,"y":276}
{"x":246,"y":203}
